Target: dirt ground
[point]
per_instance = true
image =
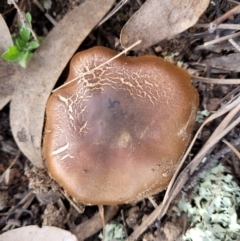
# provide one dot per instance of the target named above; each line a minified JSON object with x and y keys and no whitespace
{"x":28,"y":196}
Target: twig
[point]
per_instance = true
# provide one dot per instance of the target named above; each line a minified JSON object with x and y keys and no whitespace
{"x":93,"y":225}
{"x":24,"y":20}
{"x":215,"y":41}
{"x":116,"y":8}
{"x":216,"y":81}
{"x":230,"y":26}
{"x":47,"y":15}
{"x":213,"y":25}
{"x":234,"y":44}
{"x":152,"y":202}
{"x":71,"y":201}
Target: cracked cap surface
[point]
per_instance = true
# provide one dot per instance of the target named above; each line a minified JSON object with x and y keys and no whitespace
{"x":117,"y":134}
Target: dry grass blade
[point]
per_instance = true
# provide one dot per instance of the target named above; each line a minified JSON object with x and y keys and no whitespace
{"x":231,"y":26}
{"x":234,"y":149}
{"x":177,"y":183}
{"x":216,"y":81}
{"x":90,"y":71}
{"x":213,"y":25}
{"x":116,"y":8}
{"x":218,"y":40}
{"x":24,"y":20}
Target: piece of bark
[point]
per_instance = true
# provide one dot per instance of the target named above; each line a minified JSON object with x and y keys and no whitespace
{"x":95,"y":224}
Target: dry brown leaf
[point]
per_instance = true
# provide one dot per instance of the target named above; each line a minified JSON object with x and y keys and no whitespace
{"x":30,"y":233}
{"x":157,"y":20}
{"x":29,"y":101}
{"x":10,"y":73}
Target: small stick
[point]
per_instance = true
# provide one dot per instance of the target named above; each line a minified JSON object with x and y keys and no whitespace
{"x":47,"y":15}
{"x":213,"y":25}
{"x":71,"y":202}
{"x":230,"y":26}
{"x":215,"y":80}
{"x":152,"y":202}
{"x":116,"y":8}
{"x":221,"y":39}
{"x":234,"y":44}
{"x":101,"y":212}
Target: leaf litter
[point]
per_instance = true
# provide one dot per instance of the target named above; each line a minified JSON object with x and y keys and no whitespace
{"x":49,"y":60}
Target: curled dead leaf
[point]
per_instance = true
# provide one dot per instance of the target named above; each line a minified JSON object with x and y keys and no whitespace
{"x":157,"y":20}
{"x":29,"y":101}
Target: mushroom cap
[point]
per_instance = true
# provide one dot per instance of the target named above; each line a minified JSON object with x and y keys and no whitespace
{"x":117,"y":134}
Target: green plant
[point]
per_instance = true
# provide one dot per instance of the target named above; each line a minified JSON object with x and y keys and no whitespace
{"x":113,"y":231}
{"x":24,"y":44}
{"x":212,"y":212}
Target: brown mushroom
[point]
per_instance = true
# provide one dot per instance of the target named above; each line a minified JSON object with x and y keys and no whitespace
{"x":117,"y":133}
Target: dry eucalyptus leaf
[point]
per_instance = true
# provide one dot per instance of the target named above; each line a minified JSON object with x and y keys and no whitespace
{"x":29,"y":100}
{"x":10,"y":73}
{"x":160,"y":19}
{"x":30,"y":233}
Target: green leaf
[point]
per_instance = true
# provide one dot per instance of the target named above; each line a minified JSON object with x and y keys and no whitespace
{"x":25,"y":34}
{"x":25,"y":58}
{"x":19,"y":43}
{"x":32,"y":45}
{"x":40,"y":39}
{"x":29,"y":18}
{"x":12,"y":54}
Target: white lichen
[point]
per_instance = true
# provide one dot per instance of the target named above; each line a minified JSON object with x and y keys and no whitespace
{"x":212,"y":212}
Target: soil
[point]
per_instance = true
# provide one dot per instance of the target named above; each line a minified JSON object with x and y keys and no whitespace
{"x":28,"y":196}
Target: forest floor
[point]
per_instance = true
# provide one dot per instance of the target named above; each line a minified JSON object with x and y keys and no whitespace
{"x":26,"y":194}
